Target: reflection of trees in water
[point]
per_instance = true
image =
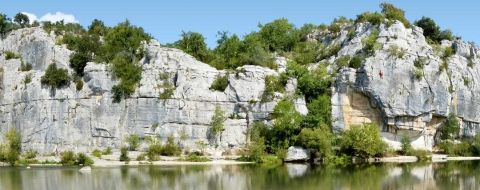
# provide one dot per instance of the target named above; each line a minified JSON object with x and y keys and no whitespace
{"x":451,"y":175}
{"x":457,"y":175}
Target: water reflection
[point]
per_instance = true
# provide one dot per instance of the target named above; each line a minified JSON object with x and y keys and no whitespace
{"x":451,"y":175}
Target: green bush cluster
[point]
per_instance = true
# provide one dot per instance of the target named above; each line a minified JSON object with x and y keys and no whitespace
{"x":272,"y":84}
{"x":370,"y":44}
{"x":68,"y":158}
{"x":318,"y":140}
{"x":396,"y":51}
{"x":343,"y":61}
{"x":55,"y":77}
{"x":393,"y":13}
{"x":356,"y":61}
{"x":466,"y":147}
{"x":169,"y":149}
{"x":374,"y":18}
{"x":363,"y":141}
{"x":133,"y":141}
{"x":11,"y":55}
{"x":432,"y":32}
{"x":451,"y":128}
{"x":10,"y":152}
{"x":25,"y":67}
{"x":220,"y":83}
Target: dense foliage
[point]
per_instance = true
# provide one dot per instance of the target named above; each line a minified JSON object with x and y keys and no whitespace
{"x":432,"y":32}
{"x":55,"y":77}
{"x":363,"y":141}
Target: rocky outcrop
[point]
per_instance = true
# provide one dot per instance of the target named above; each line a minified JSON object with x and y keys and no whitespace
{"x":67,"y":119}
{"x":386,"y":92}
{"x":296,"y":154}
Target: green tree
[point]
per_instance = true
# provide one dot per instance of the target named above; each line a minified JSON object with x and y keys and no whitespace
{"x":14,"y":145}
{"x":21,"y":19}
{"x":450,"y":128}
{"x":315,"y":83}
{"x":393,"y":13}
{"x":286,"y":125}
{"x":97,"y":28}
{"x":279,"y":35}
{"x":406,"y":146}
{"x":318,"y":140}
{"x":217,"y":126}
{"x":363,"y":141}
{"x":55,"y":77}
{"x":5,"y":25}
{"x":432,"y":31}
{"x":227,"y":51}
{"x":194,"y":44}
{"x":319,"y":112}
{"x":124,"y":39}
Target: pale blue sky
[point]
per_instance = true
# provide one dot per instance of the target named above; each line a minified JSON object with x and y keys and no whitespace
{"x":166,"y":19}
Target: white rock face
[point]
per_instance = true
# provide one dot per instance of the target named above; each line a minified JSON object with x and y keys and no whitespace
{"x":67,"y":119}
{"x":297,"y":154}
{"x":385,"y":91}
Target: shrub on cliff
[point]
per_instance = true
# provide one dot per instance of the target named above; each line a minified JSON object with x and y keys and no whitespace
{"x":194,"y":44}
{"x":373,"y":18}
{"x":279,"y":35}
{"x":432,"y":32}
{"x":220,"y":83}
{"x":363,"y":141}
{"x":216,"y":125}
{"x":55,"y":77}
{"x":21,"y":19}
{"x":393,"y":13}
{"x":124,"y":154}
{"x":272,"y":85}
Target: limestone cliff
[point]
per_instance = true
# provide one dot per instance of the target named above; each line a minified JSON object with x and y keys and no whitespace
{"x":384,"y":90}
{"x":67,"y":119}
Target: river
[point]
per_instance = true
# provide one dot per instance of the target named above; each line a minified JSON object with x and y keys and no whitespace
{"x":450,"y":175}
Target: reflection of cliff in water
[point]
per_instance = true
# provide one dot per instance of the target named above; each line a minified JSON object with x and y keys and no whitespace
{"x":451,"y":175}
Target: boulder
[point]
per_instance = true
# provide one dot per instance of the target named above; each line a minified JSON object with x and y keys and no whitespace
{"x":297,"y":154}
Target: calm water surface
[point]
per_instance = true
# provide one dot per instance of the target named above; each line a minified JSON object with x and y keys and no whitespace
{"x":451,"y":175}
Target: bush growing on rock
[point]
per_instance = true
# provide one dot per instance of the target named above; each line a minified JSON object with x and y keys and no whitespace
{"x":370,"y":44}
{"x":363,"y":141}
{"x":194,"y":44}
{"x":272,"y":85}
{"x":216,"y":125}
{"x":356,"y":61}
{"x":393,"y":13}
{"x":220,"y":83}
{"x":55,"y":77}
{"x":11,"y":55}
{"x":21,"y":19}
{"x":432,"y":32}
{"x":374,"y":18}
{"x":279,"y":35}
{"x":306,"y":52}
{"x":343,"y":61}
